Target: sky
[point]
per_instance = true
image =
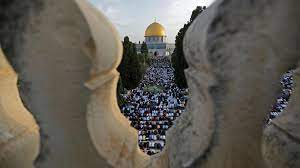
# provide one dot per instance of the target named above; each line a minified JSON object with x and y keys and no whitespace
{"x":132,"y":17}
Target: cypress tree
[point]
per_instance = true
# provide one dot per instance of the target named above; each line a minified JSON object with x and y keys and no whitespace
{"x":130,"y":68}
{"x":178,"y":59}
{"x":144,"y":48}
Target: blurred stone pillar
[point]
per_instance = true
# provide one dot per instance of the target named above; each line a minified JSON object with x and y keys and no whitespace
{"x":236,"y":51}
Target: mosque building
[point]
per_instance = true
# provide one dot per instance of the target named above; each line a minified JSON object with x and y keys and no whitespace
{"x":155,"y":38}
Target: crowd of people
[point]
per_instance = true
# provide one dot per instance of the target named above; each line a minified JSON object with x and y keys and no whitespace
{"x":282,"y":100}
{"x":152,"y":112}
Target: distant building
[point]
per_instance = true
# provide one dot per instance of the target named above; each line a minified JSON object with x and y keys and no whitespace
{"x":155,"y":38}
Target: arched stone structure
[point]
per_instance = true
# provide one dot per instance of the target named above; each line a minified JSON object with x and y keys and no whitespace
{"x":281,"y":139}
{"x":236,"y":55}
{"x":19,"y":133}
{"x":52,"y":67}
{"x":110,"y":131}
{"x":236,"y":51}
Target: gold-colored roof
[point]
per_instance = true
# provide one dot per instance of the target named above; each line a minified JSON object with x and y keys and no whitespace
{"x":155,"y":29}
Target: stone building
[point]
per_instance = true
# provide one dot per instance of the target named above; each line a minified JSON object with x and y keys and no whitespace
{"x":156,"y":40}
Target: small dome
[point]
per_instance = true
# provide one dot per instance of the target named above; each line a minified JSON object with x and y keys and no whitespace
{"x":155,"y":29}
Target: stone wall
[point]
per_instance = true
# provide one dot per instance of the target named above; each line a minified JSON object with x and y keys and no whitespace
{"x":281,"y":139}
{"x":14,"y":16}
{"x":236,"y":51}
{"x":46,"y":49}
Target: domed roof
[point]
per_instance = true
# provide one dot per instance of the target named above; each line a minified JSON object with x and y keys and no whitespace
{"x":155,"y":29}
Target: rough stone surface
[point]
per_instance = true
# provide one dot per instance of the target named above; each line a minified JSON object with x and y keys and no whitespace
{"x":54,"y":68}
{"x":118,"y":143}
{"x":19,"y":133}
{"x":236,"y":51}
{"x":281,"y":145}
{"x":14,"y":16}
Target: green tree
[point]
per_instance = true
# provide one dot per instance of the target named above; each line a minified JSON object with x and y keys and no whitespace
{"x":135,"y":73}
{"x":144,"y":48}
{"x":178,"y":59}
{"x":144,"y":55}
{"x":120,"y":90}
{"x":130,"y":68}
{"x":147,"y":59}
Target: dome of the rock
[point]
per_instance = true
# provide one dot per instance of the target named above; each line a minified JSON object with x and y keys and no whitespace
{"x":155,"y":29}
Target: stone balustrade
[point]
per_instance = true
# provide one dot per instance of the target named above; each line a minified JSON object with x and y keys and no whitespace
{"x":236,"y":51}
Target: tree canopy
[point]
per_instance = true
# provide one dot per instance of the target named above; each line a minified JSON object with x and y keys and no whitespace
{"x":144,"y":48}
{"x":178,"y":59}
{"x":130,"y":68}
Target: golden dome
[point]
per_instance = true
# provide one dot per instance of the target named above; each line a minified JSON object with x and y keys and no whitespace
{"x":155,"y":29}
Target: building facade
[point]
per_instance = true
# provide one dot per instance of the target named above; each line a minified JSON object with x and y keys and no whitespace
{"x":156,"y":40}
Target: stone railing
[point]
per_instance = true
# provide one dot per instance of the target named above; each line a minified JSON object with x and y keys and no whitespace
{"x":19,"y":133}
{"x":110,"y":131}
{"x":236,"y":51}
